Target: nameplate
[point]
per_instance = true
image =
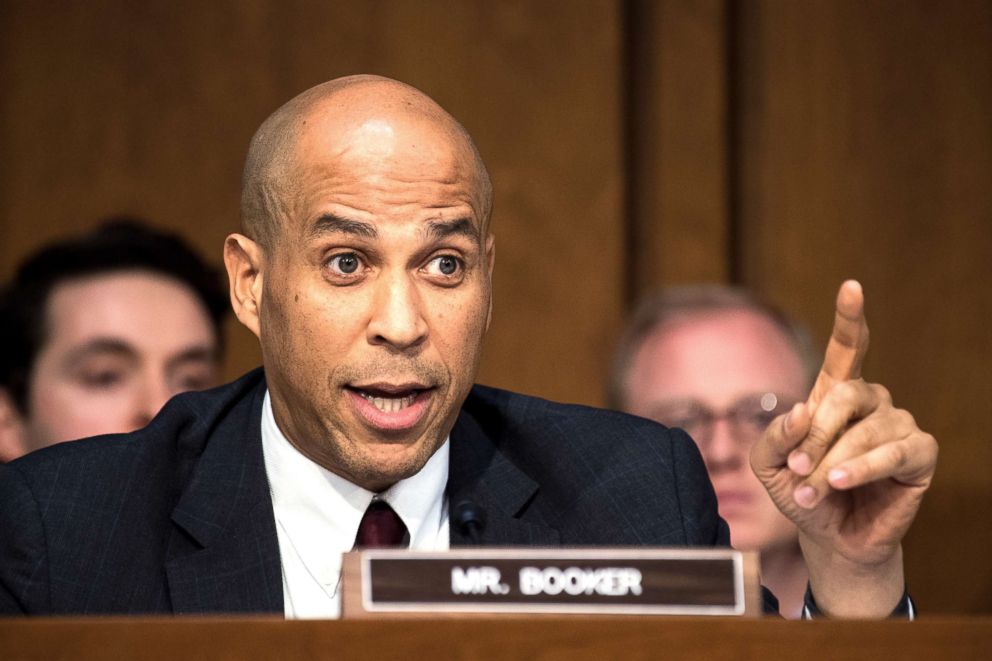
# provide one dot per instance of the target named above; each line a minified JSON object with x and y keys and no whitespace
{"x":596,"y":581}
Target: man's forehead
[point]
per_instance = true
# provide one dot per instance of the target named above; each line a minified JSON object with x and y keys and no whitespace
{"x":741,"y":328}
{"x":689,"y":338}
{"x":436,"y":228}
{"x":719,"y":353}
{"x":376,"y":137}
{"x":141,"y":304}
{"x":368,"y":145}
{"x":380,"y":140}
{"x":418,"y":174}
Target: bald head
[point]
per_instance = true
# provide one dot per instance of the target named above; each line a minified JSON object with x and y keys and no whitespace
{"x":366,"y":274}
{"x":362,"y":118}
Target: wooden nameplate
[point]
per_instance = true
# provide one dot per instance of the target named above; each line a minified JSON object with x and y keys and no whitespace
{"x":601,"y":581}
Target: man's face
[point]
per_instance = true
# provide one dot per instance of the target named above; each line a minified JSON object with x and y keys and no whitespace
{"x":118,"y":346}
{"x":376,"y":298}
{"x":703,"y":368}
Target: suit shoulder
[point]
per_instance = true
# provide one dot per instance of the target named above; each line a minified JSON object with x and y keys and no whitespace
{"x":574,"y":420}
{"x":174,"y":437}
{"x":631,"y":479}
{"x":535,"y":431}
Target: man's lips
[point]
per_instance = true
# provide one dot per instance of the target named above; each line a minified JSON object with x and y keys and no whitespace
{"x":731,"y":499}
{"x":391,"y":407}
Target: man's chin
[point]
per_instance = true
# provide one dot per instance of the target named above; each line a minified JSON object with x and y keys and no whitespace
{"x":386,"y":463}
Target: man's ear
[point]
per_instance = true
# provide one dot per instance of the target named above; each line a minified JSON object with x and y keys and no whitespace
{"x":244,"y":260}
{"x":12,"y":441}
{"x":491,"y":261}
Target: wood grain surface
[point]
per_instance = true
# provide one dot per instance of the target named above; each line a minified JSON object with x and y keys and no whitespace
{"x":564,"y":639}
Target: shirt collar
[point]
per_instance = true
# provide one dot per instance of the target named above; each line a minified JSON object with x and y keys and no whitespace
{"x":309,"y":498}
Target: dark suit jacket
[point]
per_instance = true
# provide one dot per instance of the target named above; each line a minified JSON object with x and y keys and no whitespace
{"x":177,"y":517}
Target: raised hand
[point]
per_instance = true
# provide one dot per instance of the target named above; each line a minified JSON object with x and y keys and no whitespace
{"x":849,"y":470}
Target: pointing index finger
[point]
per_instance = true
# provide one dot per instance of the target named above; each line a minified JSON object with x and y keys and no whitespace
{"x":848,"y":341}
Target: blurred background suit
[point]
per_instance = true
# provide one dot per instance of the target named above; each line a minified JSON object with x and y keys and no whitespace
{"x":779,"y":145}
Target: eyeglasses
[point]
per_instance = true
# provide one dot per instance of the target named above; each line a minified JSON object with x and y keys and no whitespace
{"x":748,"y":417}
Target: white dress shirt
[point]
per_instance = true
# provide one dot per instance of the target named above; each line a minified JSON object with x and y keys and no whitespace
{"x":317,"y":515}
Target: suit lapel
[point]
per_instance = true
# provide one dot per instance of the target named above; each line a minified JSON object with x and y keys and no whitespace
{"x":224,"y":553}
{"x":479,"y":473}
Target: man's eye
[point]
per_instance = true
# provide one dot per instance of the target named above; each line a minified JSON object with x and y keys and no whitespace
{"x":345,"y":263}
{"x":101,"y":378}
{"x":687,"y":422}
{"x":446,"y":265}
{"x":199,"y":379}
{"x":673,"y":418}
{"x":761,"y":419}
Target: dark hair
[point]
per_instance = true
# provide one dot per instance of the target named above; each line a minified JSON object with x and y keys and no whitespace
{"x":688,"y":301}
{"x":120,"y":244}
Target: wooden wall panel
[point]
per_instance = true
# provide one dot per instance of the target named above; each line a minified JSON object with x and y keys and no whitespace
{"x":678,"y":142}
{"x":147,"y":107}
{"x":829,"y":139}
{"x":866,"y":151}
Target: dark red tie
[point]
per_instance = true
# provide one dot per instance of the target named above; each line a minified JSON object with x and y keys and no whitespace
{"x":380,"y":528}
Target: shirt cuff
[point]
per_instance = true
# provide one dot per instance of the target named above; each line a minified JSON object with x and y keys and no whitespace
{"x":904,"y":610}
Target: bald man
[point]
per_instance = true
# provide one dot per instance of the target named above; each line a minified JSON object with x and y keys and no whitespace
{"x":365,"y":269}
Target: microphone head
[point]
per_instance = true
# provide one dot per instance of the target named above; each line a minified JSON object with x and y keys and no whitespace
{"x":468,"y":516}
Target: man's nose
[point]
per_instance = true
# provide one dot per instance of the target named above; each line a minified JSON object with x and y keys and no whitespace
{"x":398,"y":314}
{"x":154,"y":393}
{"x":724,"y":451}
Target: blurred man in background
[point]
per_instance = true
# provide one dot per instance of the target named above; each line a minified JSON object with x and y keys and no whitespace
{"x":97,"y":332}
{"x":721,"y":364}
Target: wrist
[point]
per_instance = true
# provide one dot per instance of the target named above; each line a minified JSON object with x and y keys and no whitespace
{"x":843,"y":588}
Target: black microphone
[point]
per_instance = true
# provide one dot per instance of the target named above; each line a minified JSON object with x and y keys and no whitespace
{"x":469,"y":520}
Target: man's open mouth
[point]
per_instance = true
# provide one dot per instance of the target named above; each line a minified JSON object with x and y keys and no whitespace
{"x":389,"y":403}
{"x":392,"y":406}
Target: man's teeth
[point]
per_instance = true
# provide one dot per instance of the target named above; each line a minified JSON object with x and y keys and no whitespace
{"x":390,"y":404}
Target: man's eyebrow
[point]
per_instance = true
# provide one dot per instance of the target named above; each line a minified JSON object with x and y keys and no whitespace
{"x":328,"y":223}
{"x":437,"y":229}
{"x":196,"y":354}
{"x":100,"y":346}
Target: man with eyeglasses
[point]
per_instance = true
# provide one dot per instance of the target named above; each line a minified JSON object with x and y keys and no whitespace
{"x":721,"y":364}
